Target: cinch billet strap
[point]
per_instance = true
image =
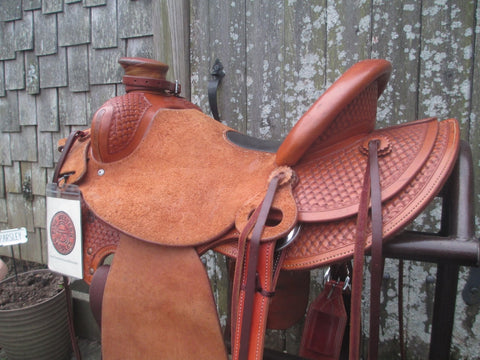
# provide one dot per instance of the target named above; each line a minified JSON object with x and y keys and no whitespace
{"x":371,"y":191}
{"x":376,"y":264}
{"x":245,"y":275}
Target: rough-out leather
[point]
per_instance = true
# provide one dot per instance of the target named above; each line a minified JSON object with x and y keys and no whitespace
{"x":160,"y":306}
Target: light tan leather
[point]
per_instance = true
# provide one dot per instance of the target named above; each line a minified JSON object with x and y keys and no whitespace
{"x":158,"y":305}
{"x":182,"y":185}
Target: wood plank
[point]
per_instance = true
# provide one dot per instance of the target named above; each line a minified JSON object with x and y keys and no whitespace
{"x":304,"y":58}
{"x":5,"y":154}
{"x":264,"y":41}
{"x":446,"y":60}
{"x":2,"y":186}
{"x":10,"y":10}
{"x":24,"y":145}
{"x":32,"y":250}
{"x":200,"y":53}
{"x":348,"y":36}
{"x":39,"y":211}
{"x":171,"y":40}
{"x":77,"y":17}
{"x":53,"y":70}
{"x":13,"y":181}
{"x":45,"y":33}
{"x":47,"y":110}
{"x":20,"y":212}
{"x":7,"y":40}
{"x":27,"y":114}
{"x":52,"y":6}
{"x":2,"y":82}
{"x":446,"y":65}
{"x":32,"y":4}
{"x":134,"y":18}
{"x":104,"y":67}
{"x":89,"y":3}
{"x":104,"y":26}
{"x":24,"y":32}
{"x":39,"y":180}
{"x":3,"y":213}
{"x":32,"y":73}
{"x":72,"y":107}
{"x":227,"y":33}
{"x":45,"y":151}
{"x":140,"y":47}
{"x":396,"y":37}
{"x":77,"y":68}
{"x":9,"y":112}
{"x":15,"y":73}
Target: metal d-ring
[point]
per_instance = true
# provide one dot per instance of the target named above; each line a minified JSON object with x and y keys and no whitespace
{"x":287,"y":240}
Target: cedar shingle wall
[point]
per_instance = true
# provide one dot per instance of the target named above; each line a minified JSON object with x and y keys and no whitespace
{"x":58,"y":64}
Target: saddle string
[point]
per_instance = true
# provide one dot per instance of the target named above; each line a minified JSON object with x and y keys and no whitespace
{"x":377,"y":261}
{"x":358,"y":261}
{"x":74,"y":136}
{"x":371,"y":192}
{"x":244,"y":287}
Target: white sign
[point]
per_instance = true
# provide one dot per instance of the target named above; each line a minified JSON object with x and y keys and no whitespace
{"x":13,"y":237}
{"x":64,"y":231}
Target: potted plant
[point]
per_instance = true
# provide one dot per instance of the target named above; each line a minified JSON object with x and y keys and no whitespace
{"x":34,"y":316}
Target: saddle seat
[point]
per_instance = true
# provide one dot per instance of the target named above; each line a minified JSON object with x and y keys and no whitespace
{"x":153,"y":168}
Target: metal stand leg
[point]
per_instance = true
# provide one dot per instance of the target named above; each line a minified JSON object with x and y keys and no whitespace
{"x":443,"y":311}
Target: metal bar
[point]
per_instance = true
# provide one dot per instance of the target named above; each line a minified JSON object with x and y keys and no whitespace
{"x":433,"y":248}
{"x":443,"y":311}
{"x":455,"y":245}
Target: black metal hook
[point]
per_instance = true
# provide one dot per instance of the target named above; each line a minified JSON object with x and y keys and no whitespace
{"x":217,"y":74}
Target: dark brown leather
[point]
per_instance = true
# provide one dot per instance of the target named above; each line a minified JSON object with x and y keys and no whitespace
{"x":325,"y":324}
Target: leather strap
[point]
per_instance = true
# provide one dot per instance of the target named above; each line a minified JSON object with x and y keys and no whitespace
{"x":376,"y":264}
{"x":71,"y":327}
{"x":74,"y":136}
{"x":139,"y":83}
{"x":97,"y":288}
{"x":245,"y":275}
{"x":358,"y":261}
{"x":370,"y":191}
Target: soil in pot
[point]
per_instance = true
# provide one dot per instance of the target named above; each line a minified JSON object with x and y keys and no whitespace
{"x":33,"y":317}
{"x":32,"y":288}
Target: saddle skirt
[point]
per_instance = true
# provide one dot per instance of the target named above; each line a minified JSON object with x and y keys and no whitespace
{"x":154,"y":167}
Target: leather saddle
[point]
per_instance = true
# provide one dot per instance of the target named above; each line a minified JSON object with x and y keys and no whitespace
{"x":162,"y":183}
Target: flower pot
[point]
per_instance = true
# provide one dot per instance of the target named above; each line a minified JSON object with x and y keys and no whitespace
{"x":37,"y":331}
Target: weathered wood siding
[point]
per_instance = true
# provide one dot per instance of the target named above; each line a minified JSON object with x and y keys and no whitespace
{"x":58,"y":64}
{"x":279,"y":56}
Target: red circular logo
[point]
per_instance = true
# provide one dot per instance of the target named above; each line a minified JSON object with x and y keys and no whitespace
{"x":62,"y":233}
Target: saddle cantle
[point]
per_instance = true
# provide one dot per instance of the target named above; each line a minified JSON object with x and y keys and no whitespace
{"x":153,"y":168}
